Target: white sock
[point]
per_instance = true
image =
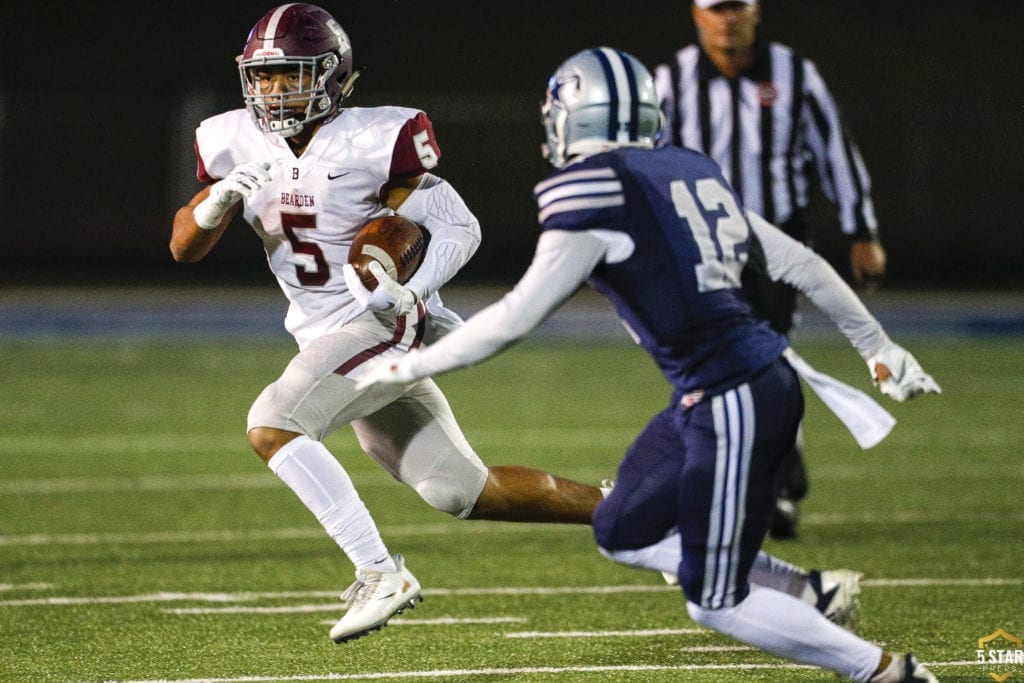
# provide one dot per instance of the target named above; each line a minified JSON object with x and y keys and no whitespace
{"x":769,"y":571}
{"x":788,"y":627}
{"x":663,"y":556}
{"x":322,"y":484}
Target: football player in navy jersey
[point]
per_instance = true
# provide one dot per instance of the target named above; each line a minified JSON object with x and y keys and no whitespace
{"x":664,"y":237}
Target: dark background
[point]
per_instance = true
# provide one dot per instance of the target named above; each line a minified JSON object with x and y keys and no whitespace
{"x":99,"y":100}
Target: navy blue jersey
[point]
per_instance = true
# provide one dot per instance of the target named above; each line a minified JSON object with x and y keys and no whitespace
{"x":678,"y":287}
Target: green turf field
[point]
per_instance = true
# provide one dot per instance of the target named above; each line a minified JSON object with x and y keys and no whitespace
{"x":140,"y":539}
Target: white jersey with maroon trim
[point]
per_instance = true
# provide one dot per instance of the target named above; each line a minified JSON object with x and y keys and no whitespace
{"x":309,"y":213}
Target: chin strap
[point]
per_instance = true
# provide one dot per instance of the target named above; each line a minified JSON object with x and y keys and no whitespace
{"x":349,"y":83}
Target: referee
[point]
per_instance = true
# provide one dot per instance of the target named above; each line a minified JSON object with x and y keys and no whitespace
{"x":766,"y":116}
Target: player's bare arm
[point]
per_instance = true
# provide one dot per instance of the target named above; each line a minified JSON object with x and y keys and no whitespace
{"x":396,"y":191}
{"x":189,"y":242}
{"x":212,"y":209}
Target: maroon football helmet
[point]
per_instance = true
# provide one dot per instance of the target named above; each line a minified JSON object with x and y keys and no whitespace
{"x":304,"y":38}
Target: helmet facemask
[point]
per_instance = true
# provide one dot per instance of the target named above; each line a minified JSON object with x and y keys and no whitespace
{"x":287,"y":113}
{"x":553,"y":116}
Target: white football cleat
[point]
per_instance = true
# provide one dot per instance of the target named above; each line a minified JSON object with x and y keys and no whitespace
{"x":836,"y":594}
{"x":905,"y":669}
{"x":374,"y":598}
{"x":915,"y":671}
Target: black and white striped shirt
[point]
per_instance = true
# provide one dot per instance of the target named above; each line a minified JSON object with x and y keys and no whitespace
{"x":765,"y":129}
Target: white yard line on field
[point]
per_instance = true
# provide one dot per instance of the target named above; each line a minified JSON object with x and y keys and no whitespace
{"x":281,"y":609}
{"x":449,"y":621}
{"x":249,"y":535}
{"x":925,"y":583}
{"x":148,"y":483}
{"x":469,"y":673}
{"x":255,"y":480}
{"x":337,"y":607}
{"x":59,"y":601}
{"x":155,"y":443}
{"x":506,"y":672}
{"x":25,"y":586}
{"x":249,"y":597}
{"x":636,"y":633}
{"x":223,"y":598}
{"x":420,"y":530}
{"x":156,"y":537}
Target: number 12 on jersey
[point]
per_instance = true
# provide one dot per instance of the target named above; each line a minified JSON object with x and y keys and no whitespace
{"x":723,"y":248}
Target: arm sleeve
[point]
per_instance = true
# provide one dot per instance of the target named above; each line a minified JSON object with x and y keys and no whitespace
{"x":562,"y":262}
{"x":844,"y":177}
{"x":454,"y":233}
{"x":665,"y":85}
{"x":789,"y":261}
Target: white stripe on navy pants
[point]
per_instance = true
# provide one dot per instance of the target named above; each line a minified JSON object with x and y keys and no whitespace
{"x":734,"y":418}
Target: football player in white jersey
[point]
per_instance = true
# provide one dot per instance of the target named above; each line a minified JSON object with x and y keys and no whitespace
{"x":306,"y":176}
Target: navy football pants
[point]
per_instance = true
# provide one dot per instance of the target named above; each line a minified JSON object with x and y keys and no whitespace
{"x":710,"y":471}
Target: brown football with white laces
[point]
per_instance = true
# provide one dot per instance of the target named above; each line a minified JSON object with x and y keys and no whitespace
{"x":395,"y":242}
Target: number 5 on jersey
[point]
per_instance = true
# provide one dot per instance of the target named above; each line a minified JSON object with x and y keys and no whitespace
{"x":425,"y":149}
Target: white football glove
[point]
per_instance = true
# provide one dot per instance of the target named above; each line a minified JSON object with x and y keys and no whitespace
{"x":902,"y":377}
{"x":244,"y":180}
{"x":388,"y":297}
{"x":384,"y":371}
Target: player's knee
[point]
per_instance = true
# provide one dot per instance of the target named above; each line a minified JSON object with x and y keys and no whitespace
{"x":266,"y":441}
{"x":447,"y":495}
{"x":259,"y":439}
{"x":604,"y":527}
{"x":630,"y":558}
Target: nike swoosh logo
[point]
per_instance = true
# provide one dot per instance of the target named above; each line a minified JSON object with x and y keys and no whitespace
{"x":826,"y":599}
{"x":335,"y":177}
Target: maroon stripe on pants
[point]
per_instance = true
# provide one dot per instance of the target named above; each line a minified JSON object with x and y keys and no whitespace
{"x":421,"y":325}
{"x":365,"y":355}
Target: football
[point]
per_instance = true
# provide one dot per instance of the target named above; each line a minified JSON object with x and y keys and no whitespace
{"x":395,"y":242}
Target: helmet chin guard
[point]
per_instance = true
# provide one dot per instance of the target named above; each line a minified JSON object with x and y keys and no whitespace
{"x":597,"y":100}
{"x":301,"y":38}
